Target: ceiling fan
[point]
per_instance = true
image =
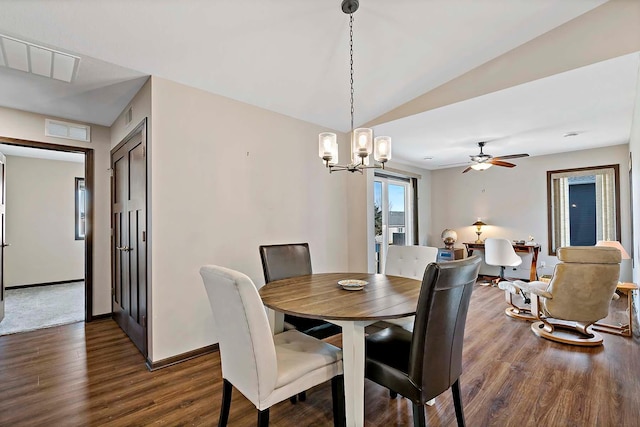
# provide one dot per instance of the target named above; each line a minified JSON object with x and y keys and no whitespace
{"x":484,"y":161}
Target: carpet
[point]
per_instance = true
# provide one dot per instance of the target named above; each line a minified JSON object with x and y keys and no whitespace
{"x":40,"y":307}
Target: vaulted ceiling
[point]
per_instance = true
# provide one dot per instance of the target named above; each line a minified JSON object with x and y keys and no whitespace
{"x":436,"y":75}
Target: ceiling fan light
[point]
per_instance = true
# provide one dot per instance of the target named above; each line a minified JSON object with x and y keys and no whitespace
{"x":481,"y":166}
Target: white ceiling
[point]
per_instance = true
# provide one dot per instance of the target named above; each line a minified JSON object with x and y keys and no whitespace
{"x":291,"y":56}
{"x":595,"y":101}
{"x":38,"y":153}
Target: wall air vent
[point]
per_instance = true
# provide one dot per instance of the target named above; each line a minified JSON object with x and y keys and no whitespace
{"x":128,"y":115}
{"x":59,"y":129}
{"x":42,"y":61}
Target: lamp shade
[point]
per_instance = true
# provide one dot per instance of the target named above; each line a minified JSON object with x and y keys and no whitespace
{"x":478,"y":223}
{"x":614,"y":244}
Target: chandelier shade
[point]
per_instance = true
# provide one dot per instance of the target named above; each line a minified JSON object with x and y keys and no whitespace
{"x":328,"y":147}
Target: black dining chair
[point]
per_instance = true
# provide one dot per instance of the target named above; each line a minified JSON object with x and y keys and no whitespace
{"x":423,"y":364}
{"x":290,"y":260}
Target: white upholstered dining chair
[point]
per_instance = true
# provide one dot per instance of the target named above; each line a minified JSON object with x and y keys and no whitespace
{"x":266,"y":369}
{"x":410,"y":262}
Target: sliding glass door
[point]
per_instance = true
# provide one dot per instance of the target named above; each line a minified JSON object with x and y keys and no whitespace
{"x":393,"y":208}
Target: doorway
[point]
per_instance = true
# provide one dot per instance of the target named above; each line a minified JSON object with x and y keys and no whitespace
{"x":88,"y":173}
{"x":393,"y":214}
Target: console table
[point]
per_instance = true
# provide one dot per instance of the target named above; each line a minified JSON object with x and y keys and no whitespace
{"x":624,"y":330}
{"x":532,"y":249}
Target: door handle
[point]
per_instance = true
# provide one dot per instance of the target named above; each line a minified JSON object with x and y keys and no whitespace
{"x":4,"y":245}
{"x":124,"y":248}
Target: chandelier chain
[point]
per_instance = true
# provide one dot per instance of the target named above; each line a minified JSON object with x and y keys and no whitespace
{"x":351,"y":64}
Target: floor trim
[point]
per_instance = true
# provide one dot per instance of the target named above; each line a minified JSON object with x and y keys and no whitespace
{"x":153,"y":366}
{"x":35,"y":285}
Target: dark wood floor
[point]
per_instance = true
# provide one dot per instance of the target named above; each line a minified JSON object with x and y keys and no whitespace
{"x":89,"y":375}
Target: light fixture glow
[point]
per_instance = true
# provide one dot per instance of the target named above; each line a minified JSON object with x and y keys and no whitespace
{"x":481,"y":166}
{"x":362,"y":142}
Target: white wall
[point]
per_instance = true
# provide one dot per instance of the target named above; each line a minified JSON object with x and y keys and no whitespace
{"x":29,"y":126}
{"x":40,"y":222}
{"x":141,"y":108}
{"x":228,"y":177}
{"x":634,"y":155}
{"x":514,"y":201}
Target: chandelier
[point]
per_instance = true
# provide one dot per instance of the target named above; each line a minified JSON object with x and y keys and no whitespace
{"x":362,"y":142}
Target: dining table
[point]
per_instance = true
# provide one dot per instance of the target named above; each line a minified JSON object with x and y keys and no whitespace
{"x":319,"y":296}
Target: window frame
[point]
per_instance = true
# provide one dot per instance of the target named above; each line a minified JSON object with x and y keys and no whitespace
{"x":551,"y":226}
{"x":80,"y":208}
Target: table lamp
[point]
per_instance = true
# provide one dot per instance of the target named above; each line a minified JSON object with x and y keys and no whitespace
{"x":479,"y":225}
{"x":614,"y":244}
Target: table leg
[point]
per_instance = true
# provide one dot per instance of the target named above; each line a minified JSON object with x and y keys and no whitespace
{"x":276,"y":321}
{"x":533,"y":273}
{"x":623,"y":330}
{"x":353,"y":362}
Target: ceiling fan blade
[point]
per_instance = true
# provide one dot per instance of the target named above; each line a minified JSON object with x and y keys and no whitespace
{"x":453,"y":164}
{"x":501,"y":163}
{"x":467,"y":170}
{"x":511,"y":156}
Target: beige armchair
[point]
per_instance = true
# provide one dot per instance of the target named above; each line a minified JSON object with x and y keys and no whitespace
{"x":578,"y":295}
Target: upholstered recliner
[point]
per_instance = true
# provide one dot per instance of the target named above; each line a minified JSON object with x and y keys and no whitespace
{"x":265,"y":368}
{"x":578,"y":295}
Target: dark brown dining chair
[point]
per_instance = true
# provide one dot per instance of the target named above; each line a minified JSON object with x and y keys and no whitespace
{"x":423,"y":364}
{"x":290,"y":260}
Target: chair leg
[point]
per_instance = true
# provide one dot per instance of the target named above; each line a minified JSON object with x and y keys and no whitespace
{"x":263,"y":418}
{"x":337,"y":396}
{"x":302,"y":396}
{"x":393,"y":394}
{"x":418,"y":415}
{"x":227,"y":389}
{"x":457,"y":403}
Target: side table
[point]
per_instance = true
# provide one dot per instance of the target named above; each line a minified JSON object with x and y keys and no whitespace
{"x":623,"y":330}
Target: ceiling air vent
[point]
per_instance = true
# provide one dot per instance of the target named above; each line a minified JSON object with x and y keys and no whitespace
{"x":40,"y":60}
{"x":59,"y":129}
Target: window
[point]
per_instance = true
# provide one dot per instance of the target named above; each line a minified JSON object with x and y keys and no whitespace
{"x":80,"y":196}
{"x":59,"y":129}
{"x":583,"y":206}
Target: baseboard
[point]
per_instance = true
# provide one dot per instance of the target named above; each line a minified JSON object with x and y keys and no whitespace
{"x":35,"y":285}
{"x":153,"y":366}
{"x":101,"y":316}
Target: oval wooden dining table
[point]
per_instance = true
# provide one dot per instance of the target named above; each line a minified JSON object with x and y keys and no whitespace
{"x":318,"y":296}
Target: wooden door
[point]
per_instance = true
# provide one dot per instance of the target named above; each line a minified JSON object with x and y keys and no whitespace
{"x":2,"y":232}
{"x":129,"y":235}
